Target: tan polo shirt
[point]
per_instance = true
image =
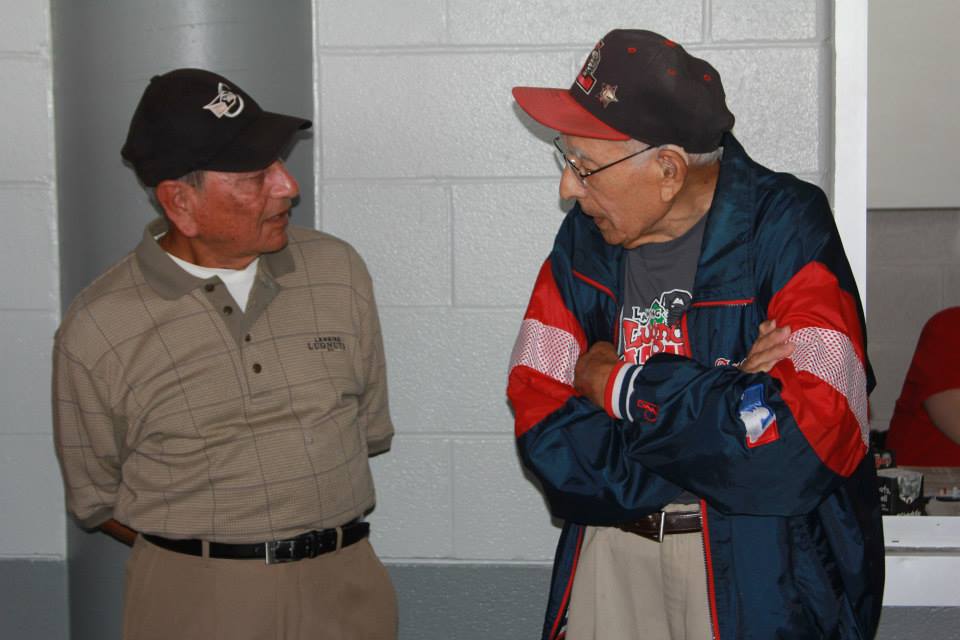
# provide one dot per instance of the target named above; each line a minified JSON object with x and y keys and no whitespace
{"x":180,"y":415}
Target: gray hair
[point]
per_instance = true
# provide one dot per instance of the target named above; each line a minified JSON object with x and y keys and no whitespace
{"x":693,"y":159}
{"x":705,"y":159}
{"x":194,"y":179}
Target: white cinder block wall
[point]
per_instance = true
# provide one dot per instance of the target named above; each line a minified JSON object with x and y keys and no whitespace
{"x":425,"y":164}
{"x":31,"y":498}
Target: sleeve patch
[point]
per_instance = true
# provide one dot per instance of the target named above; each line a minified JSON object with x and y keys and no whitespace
{"x":830,"y":356}
{"x":548,"y":350}
{"x":757,"y":417}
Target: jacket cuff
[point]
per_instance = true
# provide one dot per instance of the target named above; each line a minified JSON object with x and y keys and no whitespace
{"x":612,"y":401}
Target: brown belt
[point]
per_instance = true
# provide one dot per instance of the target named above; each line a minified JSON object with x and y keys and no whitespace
{"x":657,"y":525}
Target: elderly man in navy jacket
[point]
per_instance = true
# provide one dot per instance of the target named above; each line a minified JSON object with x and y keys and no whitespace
{"x":690,"y":379}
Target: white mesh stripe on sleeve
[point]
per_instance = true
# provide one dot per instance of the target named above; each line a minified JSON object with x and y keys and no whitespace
{"x":830,"y":356}
{"x":549,"y":350}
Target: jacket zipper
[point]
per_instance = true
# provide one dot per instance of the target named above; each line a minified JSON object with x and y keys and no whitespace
{"x":708,"y":574}
{"x":559,"y":631}
{"x":688,"y":352}
{"x":722,"y":303}
{"x":704,"y":533}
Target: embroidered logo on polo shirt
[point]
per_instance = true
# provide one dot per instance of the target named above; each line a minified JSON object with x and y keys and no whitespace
{"x":327,"y":343}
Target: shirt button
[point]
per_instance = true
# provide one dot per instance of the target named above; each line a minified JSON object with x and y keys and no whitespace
{"x":227,"y":310}
{"x":257,"y":368}
{"x":246,"y":338}
{"x":209,"y":287}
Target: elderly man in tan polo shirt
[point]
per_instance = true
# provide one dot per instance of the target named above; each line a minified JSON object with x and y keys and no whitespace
{"x":219,"y":390}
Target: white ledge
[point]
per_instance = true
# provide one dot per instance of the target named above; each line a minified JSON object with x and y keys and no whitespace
{"x":933,"y":533}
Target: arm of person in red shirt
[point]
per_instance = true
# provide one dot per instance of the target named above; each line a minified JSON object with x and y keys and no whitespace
{"x":944,"y":410}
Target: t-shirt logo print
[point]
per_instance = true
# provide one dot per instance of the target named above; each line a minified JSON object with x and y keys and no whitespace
{"x":656,"y":329}
{"x":227,"y":103}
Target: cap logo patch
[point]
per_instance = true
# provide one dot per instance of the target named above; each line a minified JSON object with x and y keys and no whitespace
{"x":586,"y":80}
{"x":608,"y":94}
{"x":227,"y":103}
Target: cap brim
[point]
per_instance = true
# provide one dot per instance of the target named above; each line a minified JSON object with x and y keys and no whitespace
{"x":259,"y":145}
{"x":556,"y":108}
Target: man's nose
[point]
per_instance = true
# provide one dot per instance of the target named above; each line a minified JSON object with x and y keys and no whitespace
{"x":284,"y":184}
{"x":571,"y":186}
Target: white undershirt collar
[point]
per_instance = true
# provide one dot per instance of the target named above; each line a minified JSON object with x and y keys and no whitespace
{"x":238,"y":281}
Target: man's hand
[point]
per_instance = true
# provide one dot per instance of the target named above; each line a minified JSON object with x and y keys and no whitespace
{"x":593,"y":369}
{"x":770,"y":348}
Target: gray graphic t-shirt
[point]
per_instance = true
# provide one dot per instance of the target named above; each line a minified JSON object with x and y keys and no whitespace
{"x":658,"y":280}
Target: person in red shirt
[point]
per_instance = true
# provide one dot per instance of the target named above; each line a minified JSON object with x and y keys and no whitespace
{"x":925,"y":429}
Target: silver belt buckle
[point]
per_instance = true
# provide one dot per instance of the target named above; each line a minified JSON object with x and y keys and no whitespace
{"x":663,"y":521}
{"x":270,"y":551}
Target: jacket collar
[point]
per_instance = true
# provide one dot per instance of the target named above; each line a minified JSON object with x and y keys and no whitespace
{"x":171,"y":282}
{"x":725,"y":268}
{"x":590,"y":255}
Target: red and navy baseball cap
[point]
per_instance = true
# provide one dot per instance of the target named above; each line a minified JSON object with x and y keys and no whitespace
{"x":191,"y":119}
{"x":637,"y":84}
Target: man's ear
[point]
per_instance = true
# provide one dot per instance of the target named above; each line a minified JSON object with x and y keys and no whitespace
{"x":179,"y":202}
{"x":673,"y":172}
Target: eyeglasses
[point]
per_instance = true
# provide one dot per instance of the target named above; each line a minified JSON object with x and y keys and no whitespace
{"x":563,"y":158}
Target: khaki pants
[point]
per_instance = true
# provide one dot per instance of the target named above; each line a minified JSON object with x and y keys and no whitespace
{"x":343,"y":595}
{"x":628,"y":587}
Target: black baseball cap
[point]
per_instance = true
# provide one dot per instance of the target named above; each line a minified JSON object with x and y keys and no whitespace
{"x":637,"y":84}
{"x":191,"y":119}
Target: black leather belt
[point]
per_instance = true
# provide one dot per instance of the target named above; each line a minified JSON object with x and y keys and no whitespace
{"x":306,"y":545}
{"x":657,"y":525}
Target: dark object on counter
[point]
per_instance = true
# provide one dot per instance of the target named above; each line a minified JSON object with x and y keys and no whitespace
{"x":884,"y":458}
{"x":878,"y":439}
{"x":901,"y":492}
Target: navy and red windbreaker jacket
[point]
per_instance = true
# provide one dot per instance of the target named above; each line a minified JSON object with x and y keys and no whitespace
{"x":792,"y":528}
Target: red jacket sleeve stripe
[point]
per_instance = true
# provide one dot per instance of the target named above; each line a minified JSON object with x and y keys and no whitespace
{"x":544,"y":355}
{"x":824,"y":381}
